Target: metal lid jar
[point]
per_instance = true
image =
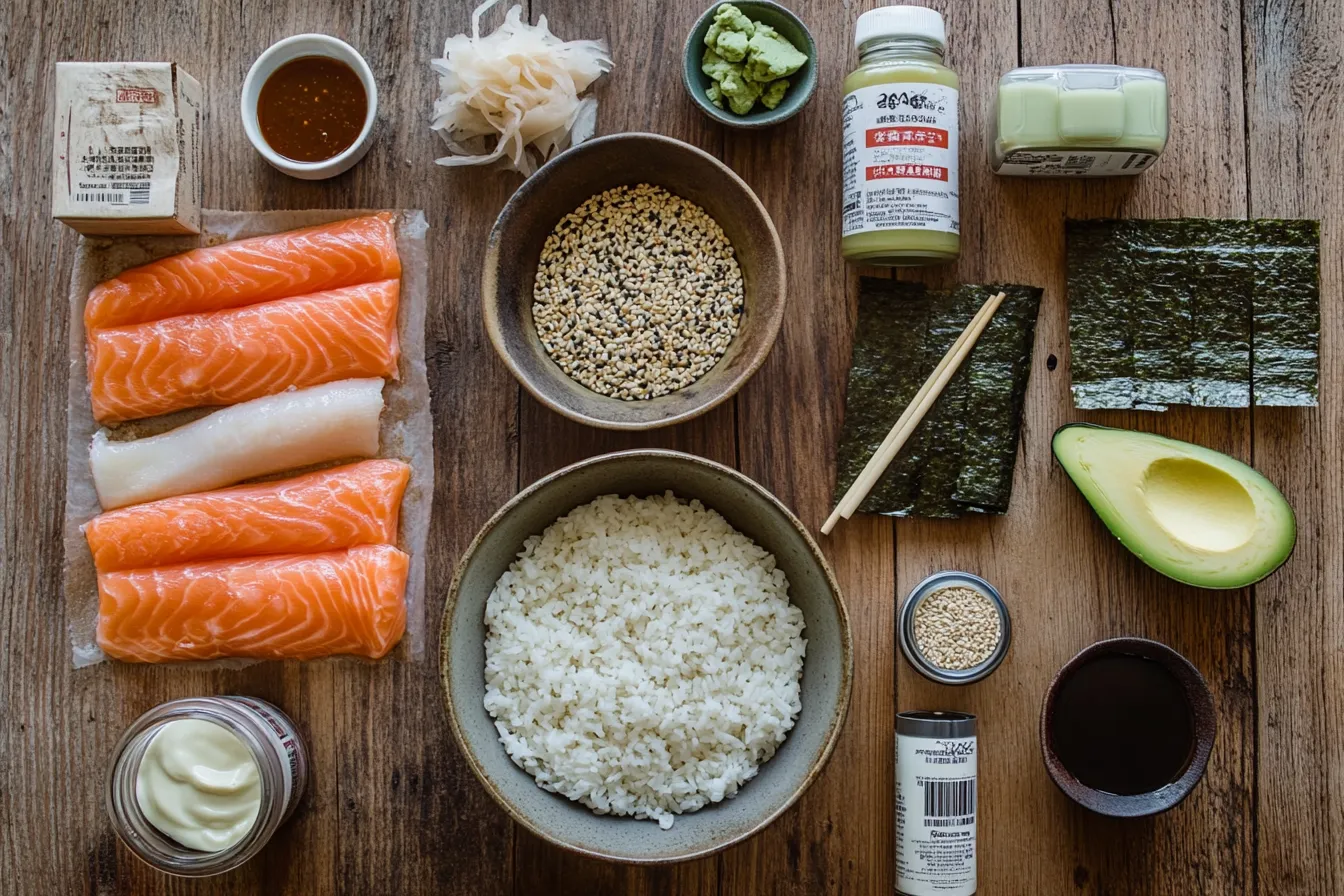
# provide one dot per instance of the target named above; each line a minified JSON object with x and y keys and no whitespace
{"x":910,"y":647}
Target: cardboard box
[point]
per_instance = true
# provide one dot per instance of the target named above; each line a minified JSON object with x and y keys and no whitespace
{"x":127,"y":151}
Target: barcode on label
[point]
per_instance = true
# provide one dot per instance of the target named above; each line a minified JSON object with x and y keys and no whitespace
{"x":111,"y":197}
{"x":949,"y":799}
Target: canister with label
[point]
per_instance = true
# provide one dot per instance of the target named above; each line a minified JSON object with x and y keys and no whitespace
{"x":936,"y":803}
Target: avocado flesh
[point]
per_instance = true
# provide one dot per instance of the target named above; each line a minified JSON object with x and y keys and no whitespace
{"x":1189,"y":512}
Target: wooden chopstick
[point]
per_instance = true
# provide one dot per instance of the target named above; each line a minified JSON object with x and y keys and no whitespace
{"x":919,"y":406}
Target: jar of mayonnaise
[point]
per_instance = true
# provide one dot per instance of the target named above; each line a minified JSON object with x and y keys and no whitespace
{"x":198,"y":786}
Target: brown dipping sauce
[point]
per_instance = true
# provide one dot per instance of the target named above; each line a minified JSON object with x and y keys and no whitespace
{"x":312,"y":108}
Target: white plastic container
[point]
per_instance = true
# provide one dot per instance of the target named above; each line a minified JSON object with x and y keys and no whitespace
{"x":1078,"y":121}
{"x":288,"y":50}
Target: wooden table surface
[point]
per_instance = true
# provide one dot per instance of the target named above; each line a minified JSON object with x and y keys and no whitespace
{"x":1257,"y":103}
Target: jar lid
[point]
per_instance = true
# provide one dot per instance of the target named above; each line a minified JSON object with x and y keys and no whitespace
{"x":900,"y":21}
{"x":938,"y":723}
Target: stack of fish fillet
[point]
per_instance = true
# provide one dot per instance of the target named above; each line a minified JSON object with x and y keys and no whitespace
{"x":291,"y":335}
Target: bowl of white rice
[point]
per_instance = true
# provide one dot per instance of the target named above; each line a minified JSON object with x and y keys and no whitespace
{"x":645,"y":657}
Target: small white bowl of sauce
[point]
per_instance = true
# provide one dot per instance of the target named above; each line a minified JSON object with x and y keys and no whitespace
{"x":309,"y":104}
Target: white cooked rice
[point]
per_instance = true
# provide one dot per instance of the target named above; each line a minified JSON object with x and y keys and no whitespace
{"x":642,"y":657}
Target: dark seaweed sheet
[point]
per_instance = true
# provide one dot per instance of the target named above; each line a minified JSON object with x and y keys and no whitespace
{"x":1102,"y":354}
{"x":1287,"y":313}
{"x":1183,"y":298}
{"x":1220,"y":287}
{"x":946,"y":426}
{"x":886,"y":370}
{"x":962,"y":455}
{"x":1159,"y":316}
{"x":997,"y":374}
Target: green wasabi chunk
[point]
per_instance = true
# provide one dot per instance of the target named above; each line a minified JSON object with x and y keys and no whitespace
{"x":773,"y":94}
{"x":747,"y":61}
{"x":732,"y":45}
{"x":771,"y":56}
{"x":728,"y":18}
{"x":718,"y":68}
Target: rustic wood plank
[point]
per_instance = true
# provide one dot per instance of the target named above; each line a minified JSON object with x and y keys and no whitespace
{"x":1080,"y":585}
{"x":1294,"y":101}
{"x":838,"y":837}
{"x":642,"y":93}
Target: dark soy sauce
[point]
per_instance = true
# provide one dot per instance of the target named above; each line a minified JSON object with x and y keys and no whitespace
{"x":1122,"y":724}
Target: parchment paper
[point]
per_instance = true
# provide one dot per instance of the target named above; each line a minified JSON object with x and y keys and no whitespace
{"x":406,"y":427}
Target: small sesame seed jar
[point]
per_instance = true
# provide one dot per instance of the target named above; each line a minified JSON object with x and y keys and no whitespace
{"x":968,"y":653}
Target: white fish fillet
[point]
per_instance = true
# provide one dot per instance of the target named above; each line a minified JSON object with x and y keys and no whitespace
{"x":254,"y":438}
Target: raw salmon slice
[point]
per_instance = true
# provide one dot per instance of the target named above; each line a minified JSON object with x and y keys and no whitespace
{"x":246,"y":272}
{"x":323,"y":511}
{"x":296,"y":606}
{"x":225,"y":357}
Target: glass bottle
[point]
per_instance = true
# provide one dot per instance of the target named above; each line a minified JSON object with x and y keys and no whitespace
{"x":277,"y":748}
{"x":900,"y":172}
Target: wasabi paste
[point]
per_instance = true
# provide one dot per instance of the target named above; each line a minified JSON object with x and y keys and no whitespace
{"x":747,"y":62}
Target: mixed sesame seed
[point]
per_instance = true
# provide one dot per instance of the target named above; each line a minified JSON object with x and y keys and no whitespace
{"x":957,"y":627}
{"x":638,"y":293}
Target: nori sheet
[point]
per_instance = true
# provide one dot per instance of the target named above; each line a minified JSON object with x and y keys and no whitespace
{"x":1220,"y":286}
{"x":885,"y":371}
{"x":961,"y":458}
{"x":1159,"y":316}
{"x":1101,"y":347}
{"x":1188,"y":310}
{"x":996,"y":388}
{"x":946,"y":426}
{"x":1286,"y":313}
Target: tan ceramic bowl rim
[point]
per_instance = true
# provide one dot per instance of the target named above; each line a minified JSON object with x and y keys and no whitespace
{"x":846,"y":652}
{"x":770,"y":324}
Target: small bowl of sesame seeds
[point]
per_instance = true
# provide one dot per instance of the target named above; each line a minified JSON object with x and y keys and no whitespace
{"x":954,"y":628}
{"x":634,"y":281}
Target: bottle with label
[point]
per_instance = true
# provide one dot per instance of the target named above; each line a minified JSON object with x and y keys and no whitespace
{"x":198,"y":786}
{"x":936,"y":783}
{"x":899,"y":200}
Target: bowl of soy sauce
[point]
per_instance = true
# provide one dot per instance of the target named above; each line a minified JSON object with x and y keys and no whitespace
{"x":1127,"y":727}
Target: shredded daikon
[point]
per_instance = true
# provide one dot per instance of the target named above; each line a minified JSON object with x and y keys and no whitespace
{"x":513,"y":96}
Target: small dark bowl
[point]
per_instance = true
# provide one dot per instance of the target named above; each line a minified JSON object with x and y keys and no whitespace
{"x":559,"y":187}
{"x":802,"y":83}
{"x":1197,"y":694}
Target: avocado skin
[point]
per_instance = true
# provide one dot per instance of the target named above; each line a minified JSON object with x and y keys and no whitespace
{"x":1115,"y":526}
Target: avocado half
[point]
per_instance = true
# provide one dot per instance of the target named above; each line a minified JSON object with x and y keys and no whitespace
{"x":1189,"y":512}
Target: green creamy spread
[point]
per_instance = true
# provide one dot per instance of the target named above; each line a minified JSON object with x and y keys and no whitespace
{"x":747,"y":62}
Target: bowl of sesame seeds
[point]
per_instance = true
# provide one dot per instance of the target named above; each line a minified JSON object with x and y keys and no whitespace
{"x":954,"y":628}
{"x":633,"y":282}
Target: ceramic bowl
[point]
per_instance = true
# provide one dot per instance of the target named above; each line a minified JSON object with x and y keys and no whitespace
{"x":558,"y":188}
{"x":802,"y":84}
{"x":827,"y":669}
{"x":1197,"y":694}
{"x":287,"y":50}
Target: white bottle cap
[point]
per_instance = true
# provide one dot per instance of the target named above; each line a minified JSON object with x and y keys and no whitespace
{"x":900,"y":21}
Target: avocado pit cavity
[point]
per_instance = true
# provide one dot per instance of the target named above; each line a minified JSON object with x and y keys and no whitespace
{"x":1199,"y":504}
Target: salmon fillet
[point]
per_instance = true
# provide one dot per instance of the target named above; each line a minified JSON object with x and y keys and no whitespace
{"x":336,"y":508}
{"x":296,"y":606}
{"x":226,"y":357}
{"x":246,"y":272}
